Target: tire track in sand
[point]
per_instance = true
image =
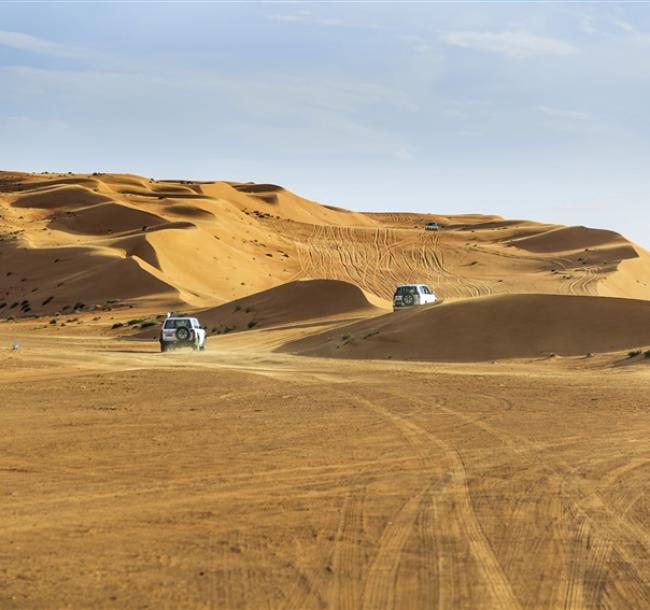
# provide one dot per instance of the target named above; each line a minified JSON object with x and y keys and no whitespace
{"x":379,"y":588}
{"x":602,"y":534}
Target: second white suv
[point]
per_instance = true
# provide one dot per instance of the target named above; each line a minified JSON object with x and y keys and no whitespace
{"x":182,"y":332}
{"x":408,"y":295}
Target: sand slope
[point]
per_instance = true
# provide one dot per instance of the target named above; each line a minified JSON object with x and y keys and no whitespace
{"x":503,"y":326}
{"x":173,"y":244}
{"x":291,"y":303}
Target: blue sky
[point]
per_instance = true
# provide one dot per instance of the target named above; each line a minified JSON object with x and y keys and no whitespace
{"x":528,"y":110}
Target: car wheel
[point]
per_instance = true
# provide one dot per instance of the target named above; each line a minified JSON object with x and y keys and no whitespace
{"x":202,"y":347}
{"x":408,"y":299}
{"x":182,"y":333}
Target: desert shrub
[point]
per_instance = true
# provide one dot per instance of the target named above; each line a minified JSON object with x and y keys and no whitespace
{"x":372,"y":333}
{"x":237,"y":307}
{"x":136,"y":321}
{"x":633,"y":353}
{"x":46,"y":301}
{"x":117,"y":325}
{"x":53,"y":322}
{"x":646,"y":354}
{"x":252,"y":324}
{"x":248,"y":310}
{"x":148,"y":323}
{"x":345,"y":337}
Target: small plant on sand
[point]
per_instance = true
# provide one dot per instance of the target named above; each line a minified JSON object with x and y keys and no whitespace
{"x":633,"y":353}
{"x":646,"y":354}
{"x":53,"y":322}
{"x":252,"y":324}
{"x":345,"y":337}
{"x":237,"y":307}
{"x":117,"y":325}
{"x":372,"y":333}
{"x":148,"y":323}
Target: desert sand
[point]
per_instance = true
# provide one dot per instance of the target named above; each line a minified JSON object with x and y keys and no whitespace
{"x":488,"y":452}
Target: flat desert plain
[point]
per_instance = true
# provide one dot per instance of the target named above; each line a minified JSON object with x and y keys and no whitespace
{"x":488,"y":452}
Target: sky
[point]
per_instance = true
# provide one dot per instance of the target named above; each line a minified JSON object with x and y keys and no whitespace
{"x":536,"y":110}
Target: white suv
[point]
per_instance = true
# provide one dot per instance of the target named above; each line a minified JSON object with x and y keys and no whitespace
{"x":408,"y":295}
{"x":182,"y":332}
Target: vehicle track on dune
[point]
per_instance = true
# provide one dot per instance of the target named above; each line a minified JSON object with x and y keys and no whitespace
{"x":380,"y":584}
{"x":378,"y":259}
{"x":583,"y":282}
{"x":602,"y":534}
{"x":346,"y":561}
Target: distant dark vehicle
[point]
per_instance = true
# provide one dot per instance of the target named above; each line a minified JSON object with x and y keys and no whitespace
{"x":431,"y":226}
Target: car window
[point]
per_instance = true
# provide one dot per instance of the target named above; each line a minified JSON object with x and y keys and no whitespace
{"x":404,"y":290}
{"x":179,"y":323}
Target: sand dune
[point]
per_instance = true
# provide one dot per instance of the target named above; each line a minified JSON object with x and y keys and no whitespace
{"x":244,"y":476}
{"x":290,"y":303}
{"x":202,"y":244}
{"x":503,"y":326}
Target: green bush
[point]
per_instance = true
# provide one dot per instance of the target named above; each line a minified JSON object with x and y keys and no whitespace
{"x":633,"y":353}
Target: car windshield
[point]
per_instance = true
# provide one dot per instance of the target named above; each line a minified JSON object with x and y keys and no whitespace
{"x":404,"y":290}
{"x":178,"y":323}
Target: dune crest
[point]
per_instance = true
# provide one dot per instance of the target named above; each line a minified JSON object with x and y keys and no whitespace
{"x":493,"y":327}
{"x":201,"y":244}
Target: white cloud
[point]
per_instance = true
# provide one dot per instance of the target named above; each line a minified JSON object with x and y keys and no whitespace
{"x":25,"y":42}
{"x":513,"y":43}
{"x":285,"y":18}
{"x":403,"y":153}
{"x":304,"y":17}
{"x":560,"y":113}
{"x":417,"y":44}
{"x":624,"y":25}
{"x":586,"y":23}
{"x":633,"y":34}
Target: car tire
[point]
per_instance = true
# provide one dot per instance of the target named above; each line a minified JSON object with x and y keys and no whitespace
{"x":202,"y":347}
{"x":408,"y":299}
{"x":182,"y":333}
